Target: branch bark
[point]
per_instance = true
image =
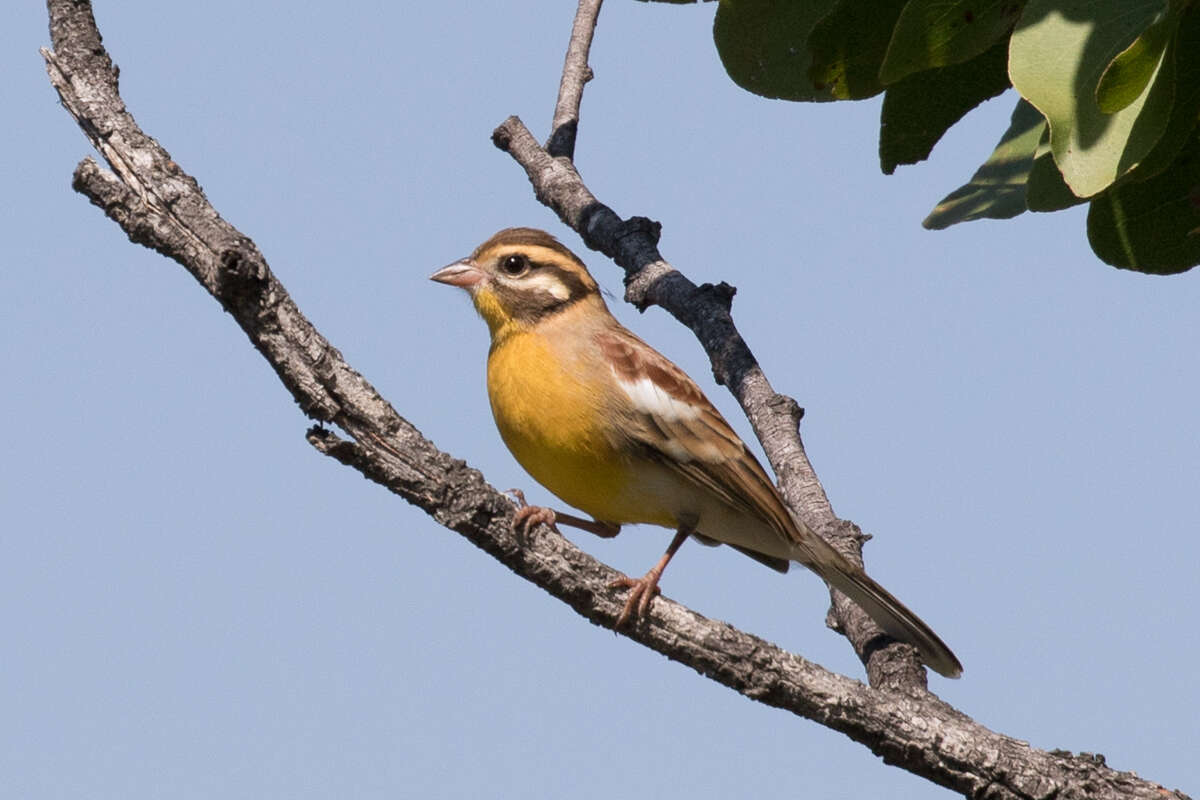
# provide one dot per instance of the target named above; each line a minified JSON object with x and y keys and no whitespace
{"x":160,"y":206}
{"x":576,"y":72}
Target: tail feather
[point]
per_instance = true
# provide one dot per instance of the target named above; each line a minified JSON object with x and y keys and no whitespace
{"x":880,"y":604}
{"x":895,"y":618}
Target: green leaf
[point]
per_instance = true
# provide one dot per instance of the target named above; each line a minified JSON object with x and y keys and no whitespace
{"x":1046,"y":190}
{"x":1058,"y":53}
{"x":1127,"y":76}
{"x":997,"y":189}
{"x":1184,"y":57}
{"x":1153,"y":225}
{"x":938,"y":33}
{"x":922,"y":107}
{"x":763,"y":45}
{"x":848,"y":47}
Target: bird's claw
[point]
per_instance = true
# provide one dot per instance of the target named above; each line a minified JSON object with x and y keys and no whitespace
{"x":642,"y":592}
{"x":528,"y":517}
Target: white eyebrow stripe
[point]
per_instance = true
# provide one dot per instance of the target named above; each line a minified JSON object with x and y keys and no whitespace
{"x":546,"y":282}
{"x":649,"y":398}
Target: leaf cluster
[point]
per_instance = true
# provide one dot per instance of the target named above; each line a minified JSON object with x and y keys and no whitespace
{"x":1107,"y":114}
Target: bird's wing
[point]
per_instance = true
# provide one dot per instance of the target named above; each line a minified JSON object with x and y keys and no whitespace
{"x":671,"y":417}
{"x":673,"y":420}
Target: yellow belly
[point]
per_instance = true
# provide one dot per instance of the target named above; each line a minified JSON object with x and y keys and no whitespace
{"x":553,"y":420}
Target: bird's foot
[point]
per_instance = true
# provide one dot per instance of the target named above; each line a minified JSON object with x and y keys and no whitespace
{"x":527,"y":517}
{"x":642,"y":592}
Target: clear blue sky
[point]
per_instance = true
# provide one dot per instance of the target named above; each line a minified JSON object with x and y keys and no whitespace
{"x":197,"y":604}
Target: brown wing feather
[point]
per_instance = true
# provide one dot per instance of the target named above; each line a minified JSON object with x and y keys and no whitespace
{"x":705,"y":449}
{"x":716,"y":457}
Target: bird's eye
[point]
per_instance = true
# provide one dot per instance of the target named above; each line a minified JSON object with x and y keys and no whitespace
{"x":514,"y":264}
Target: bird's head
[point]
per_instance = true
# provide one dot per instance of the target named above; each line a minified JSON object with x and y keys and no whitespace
{"x":519,"y":277}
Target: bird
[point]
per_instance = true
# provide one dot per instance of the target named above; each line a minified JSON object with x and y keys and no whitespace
{"x":613,"y":428}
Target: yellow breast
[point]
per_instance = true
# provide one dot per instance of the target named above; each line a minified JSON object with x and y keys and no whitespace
{"x":550,"y":408}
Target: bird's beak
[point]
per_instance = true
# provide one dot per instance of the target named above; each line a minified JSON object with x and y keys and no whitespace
{"x":462,"y":274}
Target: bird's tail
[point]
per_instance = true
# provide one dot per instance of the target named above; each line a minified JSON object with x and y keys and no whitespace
{"x":888,"y":612}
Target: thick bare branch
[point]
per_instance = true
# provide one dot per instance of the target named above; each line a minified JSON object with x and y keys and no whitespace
{"x":158,"y":205}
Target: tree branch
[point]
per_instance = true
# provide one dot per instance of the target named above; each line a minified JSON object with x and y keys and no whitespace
{"x":158,"y":205}
{"x":576,"y":73}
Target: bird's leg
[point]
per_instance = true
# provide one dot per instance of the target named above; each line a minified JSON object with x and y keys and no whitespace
{"x":605,"y":530}
{"x":644,"y":589}
{"x":527,"y":516}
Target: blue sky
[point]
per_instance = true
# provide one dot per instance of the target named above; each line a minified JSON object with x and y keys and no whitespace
{"x":196,"y":603}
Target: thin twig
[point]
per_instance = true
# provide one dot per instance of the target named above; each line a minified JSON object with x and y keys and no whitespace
{"x":576,"y":73}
